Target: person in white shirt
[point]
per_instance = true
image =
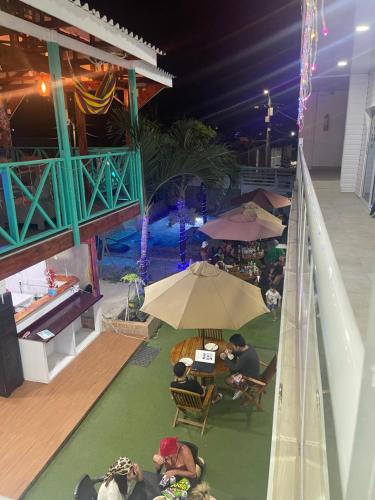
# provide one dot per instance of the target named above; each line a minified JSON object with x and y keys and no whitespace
{"x":272,"y":298}
{"x":120,"y":480}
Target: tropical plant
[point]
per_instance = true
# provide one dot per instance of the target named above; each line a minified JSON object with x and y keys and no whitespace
{"x":186,"y":152}
{"x":194,"y":152}
{"x":135,"y":284}
{"x":148,"y":138}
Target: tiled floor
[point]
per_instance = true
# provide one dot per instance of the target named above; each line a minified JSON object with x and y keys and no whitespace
{"x":352,"y":233}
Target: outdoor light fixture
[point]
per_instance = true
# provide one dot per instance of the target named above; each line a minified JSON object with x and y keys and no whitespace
{"x":266,"y":92}
{"x":292,"y":133}
{"x":362,"y":27}
{"x":341,"y":64}
{"x":44,"y":85}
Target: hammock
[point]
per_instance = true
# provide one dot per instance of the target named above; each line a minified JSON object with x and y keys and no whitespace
{"x":98,"y":103}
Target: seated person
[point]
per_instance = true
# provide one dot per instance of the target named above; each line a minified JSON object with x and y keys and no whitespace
{"x":219,"y":254}
{"x":121,"y":482}
{"x":182,"y":381}
{"x":272,"y":255}
{"x":221,"y":265}
{"x":227,"y":247}
{"x":231,"y":258}
{"x":176,"y":459}
{"x":241,"y":359}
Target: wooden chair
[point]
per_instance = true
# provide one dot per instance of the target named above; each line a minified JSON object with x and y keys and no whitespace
{"x":210,"y":334}
{"x":253,"y":389}
{"x":190,"y":402}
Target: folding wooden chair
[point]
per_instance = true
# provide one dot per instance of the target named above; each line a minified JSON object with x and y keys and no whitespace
{"x":253,"y":389}
{"x":191,"y":402}
{"x":210,"y":334}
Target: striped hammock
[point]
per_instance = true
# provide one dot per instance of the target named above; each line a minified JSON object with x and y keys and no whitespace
{"x":98,"y":103}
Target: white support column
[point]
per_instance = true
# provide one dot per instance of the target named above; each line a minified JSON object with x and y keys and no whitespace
{"x":354,"y":130}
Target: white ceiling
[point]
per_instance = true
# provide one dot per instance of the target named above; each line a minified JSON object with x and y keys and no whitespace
{"x":343,"y":42}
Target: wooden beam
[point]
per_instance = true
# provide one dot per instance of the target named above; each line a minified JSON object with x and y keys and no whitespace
{"x":147,"y":93}
{"x":143,"y":68}
{"x":23,"y":60}
{"x":25,"y":257}
{"x":108,"y":222}
{"x":94,"y":268}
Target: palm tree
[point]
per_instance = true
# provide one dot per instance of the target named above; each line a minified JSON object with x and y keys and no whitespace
{"x":186,"y":152}
{"x":194,"y":143}
{"x":149,"y":139}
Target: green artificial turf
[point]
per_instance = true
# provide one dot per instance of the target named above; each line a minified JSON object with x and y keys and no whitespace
{"x":136,"y":411}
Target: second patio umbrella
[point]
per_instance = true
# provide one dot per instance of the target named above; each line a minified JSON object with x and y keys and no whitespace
{"x":246,"y":223}
{"x":203,"y":296}
{"x":264,"y":198}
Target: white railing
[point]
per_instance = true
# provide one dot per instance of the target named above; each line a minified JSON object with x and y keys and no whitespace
{"x":342,"y":341}
{"x":314,"y":294}
{"x":276,"y":179}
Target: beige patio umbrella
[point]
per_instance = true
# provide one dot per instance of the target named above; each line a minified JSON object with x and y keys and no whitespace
{"x":246,"y":223}
{"x":203,"y":296}
{"x":252,"y":208}
{"x":264,"y":198}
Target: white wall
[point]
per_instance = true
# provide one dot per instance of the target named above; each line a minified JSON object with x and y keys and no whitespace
{"x":75,"y":261}
{"x":33,"y":280}
{"x":323,"y":132}
{"x":355,"y":129}
{"x":370,"y":106}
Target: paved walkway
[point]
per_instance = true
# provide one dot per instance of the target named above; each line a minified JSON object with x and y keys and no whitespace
{"x":352,"y":233}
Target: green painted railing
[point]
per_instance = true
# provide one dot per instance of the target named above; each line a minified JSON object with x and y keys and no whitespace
{"x":103,"y":182}
{"x":35,"y":201}
{"x":19,"y":152}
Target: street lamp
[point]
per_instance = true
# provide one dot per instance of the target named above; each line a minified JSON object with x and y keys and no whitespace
{"x":267,"y":119}
{"x":292,"y":133}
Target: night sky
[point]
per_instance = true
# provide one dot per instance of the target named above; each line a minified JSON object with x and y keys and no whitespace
{"x":223,"y":55}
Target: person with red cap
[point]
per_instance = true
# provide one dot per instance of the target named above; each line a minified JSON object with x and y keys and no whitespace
{"x":176,"y":458}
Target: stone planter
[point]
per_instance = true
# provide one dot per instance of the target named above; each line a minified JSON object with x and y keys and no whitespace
{"x":140,"y":329}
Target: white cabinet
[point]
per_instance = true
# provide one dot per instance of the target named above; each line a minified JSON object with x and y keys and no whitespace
{"x":42,"y":361}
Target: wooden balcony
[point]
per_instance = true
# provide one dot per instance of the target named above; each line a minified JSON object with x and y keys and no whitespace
{"x":50,"y":196}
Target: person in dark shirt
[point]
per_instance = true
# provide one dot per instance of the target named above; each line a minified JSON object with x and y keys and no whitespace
{"x":182,"y":381}
{"x":241,"y":359}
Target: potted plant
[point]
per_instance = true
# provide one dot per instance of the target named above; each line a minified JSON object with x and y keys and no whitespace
{"x":131,"y":320}
{"x":51,"y":281}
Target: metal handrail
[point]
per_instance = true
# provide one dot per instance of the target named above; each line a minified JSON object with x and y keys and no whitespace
{"x":343,"y":345}
{"x":312,"y":277}
{"x":281,"y":179}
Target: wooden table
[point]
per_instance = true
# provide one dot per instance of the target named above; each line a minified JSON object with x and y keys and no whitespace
{"x":187,"y":348}
{"x":244,"y":276}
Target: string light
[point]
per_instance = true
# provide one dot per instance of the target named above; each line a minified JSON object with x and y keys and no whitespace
{"x":309,"y":46}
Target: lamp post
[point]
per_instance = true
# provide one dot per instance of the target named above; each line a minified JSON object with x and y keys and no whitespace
{"x":267,"y":119}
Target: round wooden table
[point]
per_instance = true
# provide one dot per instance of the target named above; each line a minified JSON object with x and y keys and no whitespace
{"x":187,"y":348}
